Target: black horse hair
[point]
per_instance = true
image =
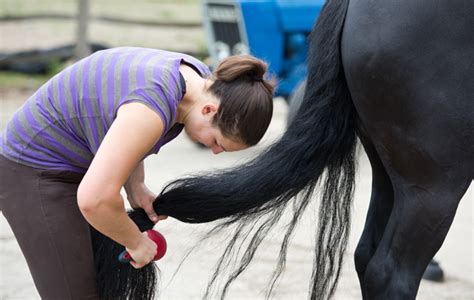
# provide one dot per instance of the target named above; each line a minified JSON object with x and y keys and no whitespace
{"x":317,"y":150}
{"x":121,"y":281}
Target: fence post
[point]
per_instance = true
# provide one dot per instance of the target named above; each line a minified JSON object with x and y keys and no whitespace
{"x":82,"y":46}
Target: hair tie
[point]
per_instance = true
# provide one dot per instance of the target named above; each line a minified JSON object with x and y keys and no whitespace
{"x":257,"y":78}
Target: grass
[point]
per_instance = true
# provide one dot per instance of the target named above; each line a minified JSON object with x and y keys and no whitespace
{"x":22,"y":80}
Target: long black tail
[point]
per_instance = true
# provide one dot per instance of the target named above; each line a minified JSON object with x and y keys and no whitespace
{"x":319,"y":146}
{"x":119,"y":281}
{"x":321,"y":138}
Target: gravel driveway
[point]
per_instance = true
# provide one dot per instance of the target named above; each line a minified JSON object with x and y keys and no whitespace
{"x":183,"y":157}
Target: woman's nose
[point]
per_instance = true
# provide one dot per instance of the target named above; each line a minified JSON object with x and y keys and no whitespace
{"x":217,"y":150}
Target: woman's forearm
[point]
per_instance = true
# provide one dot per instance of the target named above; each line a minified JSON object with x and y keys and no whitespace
{"x":110,"y":218}
{"x":136,"y":179}
{"x":138,"y":195}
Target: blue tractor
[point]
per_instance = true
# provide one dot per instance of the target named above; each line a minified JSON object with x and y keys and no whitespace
{"x":273,"y":30}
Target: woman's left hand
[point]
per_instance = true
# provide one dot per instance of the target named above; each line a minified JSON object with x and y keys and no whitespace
{"x":141,"y":196}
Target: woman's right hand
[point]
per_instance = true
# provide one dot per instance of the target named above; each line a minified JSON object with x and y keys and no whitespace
{"x":144,"y":253}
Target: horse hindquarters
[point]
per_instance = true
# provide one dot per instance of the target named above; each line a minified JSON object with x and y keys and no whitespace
{"x":408,"y":65}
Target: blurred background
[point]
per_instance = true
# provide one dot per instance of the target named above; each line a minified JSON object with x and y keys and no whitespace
{"x":41,"y":37}
{"x":38,"y":38}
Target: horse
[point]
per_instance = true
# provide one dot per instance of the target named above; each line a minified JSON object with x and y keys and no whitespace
{"x":396,"y":75}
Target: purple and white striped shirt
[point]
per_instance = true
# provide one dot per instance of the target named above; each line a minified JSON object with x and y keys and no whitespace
{"x":62,"y":125}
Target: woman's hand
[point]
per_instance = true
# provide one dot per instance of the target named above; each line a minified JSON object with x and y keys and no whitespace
{"x":144,"y":253}
{"x":140,"y":196}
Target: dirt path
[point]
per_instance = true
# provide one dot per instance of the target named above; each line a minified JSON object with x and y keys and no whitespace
{"x":182,"y":157}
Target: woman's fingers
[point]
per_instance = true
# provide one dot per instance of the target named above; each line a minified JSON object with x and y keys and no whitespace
{"x":162,"y":217}
{"x":144,"y":253}
{"x":151,"y":214}
{"x":137,"y":265}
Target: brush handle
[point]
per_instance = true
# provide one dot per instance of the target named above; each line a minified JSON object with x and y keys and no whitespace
{"x":125,"y":257}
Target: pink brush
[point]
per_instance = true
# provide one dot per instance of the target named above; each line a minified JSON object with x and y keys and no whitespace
{"x":156,"y":237}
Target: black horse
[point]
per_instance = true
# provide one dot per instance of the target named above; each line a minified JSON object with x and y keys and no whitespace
{"x":397,"y":74}
{"x":409,"y":66}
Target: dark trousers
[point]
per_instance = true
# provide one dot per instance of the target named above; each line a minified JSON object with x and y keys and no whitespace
{"x":41,"y":208}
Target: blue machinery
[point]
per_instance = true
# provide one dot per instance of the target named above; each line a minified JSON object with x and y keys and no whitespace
{"x":273,"y":30}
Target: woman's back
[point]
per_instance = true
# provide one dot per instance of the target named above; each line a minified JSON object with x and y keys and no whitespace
{"x":62,"y":125}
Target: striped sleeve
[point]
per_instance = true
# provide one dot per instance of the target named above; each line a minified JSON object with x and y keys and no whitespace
{"x":157,"y":99}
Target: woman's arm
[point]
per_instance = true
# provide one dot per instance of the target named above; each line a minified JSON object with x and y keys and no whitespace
{"x":139,"y":195}
{"x":136,"y":179}
{"x":133,"y":133}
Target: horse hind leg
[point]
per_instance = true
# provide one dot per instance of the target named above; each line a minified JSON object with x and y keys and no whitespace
{"x":420,"y":219}
{"x":380,"y":207}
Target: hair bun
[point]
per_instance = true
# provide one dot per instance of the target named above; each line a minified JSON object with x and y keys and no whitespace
{"x":244,"y":67}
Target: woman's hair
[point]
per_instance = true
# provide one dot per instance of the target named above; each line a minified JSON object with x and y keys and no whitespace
{"x":246,"y":98}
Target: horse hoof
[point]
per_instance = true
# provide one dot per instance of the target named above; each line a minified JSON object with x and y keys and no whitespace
{"x":434,"y":272}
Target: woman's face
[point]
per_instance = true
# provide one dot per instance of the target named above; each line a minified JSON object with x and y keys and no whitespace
{"x":200,"y":129}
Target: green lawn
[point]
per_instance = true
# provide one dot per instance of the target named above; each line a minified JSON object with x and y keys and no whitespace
{"x":20,"y":80}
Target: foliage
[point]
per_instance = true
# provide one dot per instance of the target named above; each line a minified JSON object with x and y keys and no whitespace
{"x":20,"y":80}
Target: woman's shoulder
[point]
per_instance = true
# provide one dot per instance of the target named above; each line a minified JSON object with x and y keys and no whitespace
{"x":193,"y":62}
{"x":200,"y":66}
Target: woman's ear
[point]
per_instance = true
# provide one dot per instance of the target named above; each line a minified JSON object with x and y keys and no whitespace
{"x":209,"y":109}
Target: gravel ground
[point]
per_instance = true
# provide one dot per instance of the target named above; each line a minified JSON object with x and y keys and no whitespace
{"x":183,"y":157}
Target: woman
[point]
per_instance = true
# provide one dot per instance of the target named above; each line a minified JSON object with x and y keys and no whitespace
{"x":83,"y":135}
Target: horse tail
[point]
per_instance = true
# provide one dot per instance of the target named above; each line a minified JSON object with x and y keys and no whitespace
{"x":319,"y":146}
